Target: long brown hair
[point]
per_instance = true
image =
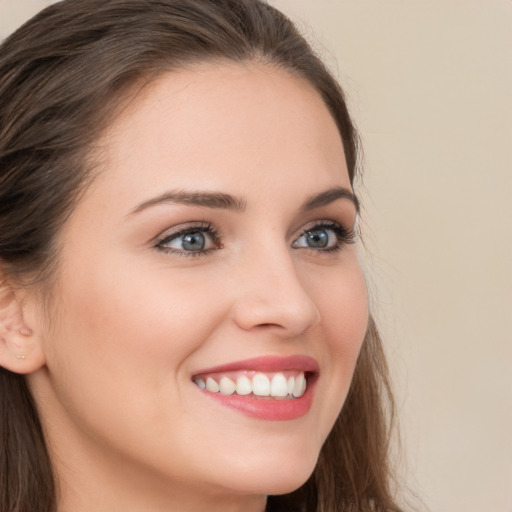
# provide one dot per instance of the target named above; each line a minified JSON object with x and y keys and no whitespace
{"x":62,"y":77}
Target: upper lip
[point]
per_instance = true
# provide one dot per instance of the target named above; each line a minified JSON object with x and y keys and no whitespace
{"x":267,"y":364}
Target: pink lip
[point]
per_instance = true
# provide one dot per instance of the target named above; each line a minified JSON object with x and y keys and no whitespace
{"x":264,"y":408}
{"x":267,"y":364}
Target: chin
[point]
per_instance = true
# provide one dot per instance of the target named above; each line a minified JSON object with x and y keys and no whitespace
{"x":279,"y":473}
{"x":270,"y":483}
{"x":286,"y":484}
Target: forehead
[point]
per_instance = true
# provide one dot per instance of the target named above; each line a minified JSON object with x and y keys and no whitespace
{"x":223,"y":123}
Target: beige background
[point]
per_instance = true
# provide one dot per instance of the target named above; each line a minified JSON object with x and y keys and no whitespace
{"x":430,"y":85}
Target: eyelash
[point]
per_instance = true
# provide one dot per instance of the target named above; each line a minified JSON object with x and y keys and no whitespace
{"x":343,"y":237}
{"x":202,"y":227}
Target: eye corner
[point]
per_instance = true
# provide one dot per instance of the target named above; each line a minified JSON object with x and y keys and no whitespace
{"x":208,"y":234}
{"x":331,"y":236}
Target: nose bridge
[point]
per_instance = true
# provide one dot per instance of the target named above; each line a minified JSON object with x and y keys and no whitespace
{"x":271,"y":293}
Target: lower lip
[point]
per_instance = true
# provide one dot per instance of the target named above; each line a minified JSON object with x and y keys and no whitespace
{"x":268,"y":409}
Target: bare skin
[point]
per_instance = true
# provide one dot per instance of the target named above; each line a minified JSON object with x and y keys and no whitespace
{"x":140,"y":310}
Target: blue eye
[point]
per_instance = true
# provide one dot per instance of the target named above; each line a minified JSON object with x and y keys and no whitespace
{"x":324,"y":237}
{"x":190,"y":241}
{"x":319,"y":238}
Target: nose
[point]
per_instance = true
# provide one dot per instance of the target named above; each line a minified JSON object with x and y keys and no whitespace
{"x":270,"y":295}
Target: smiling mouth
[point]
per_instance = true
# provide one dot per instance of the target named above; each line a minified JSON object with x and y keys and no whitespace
{"x":268,"y":387}
{"x":288,"y":384}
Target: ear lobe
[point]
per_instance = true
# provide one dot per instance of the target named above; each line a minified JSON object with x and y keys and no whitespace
{"x":20,"y":348}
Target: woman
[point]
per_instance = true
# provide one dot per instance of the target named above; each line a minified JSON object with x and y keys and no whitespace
{"x":184,"y":321}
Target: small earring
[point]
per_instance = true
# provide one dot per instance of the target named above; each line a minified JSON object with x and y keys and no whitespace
{"x":20,"y":356}
{"x":25,"y":331}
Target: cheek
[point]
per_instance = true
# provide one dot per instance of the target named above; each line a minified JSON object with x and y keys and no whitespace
{"x":125,"y":310}
{"x":347,"y":318}
{"x":125,"y":335}
{"x":119,"y":351}
{"x":343,"y":306}
{"x":344,"y":312}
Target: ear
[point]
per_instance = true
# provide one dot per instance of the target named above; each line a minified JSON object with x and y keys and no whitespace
{"x":20,"y":347}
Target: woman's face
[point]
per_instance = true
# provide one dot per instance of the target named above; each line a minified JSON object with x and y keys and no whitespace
{"x":214,"y":248}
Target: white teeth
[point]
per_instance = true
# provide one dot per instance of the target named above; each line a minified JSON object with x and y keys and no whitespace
{"x":243,"y":385}
{"x":212,"y":385}
{"x":291,"y":385}
{"x":201,"y":383}
{"x":300,"y":386}
{"x":260,"y":385}
{"x":226,"y":386}
{"x":279,"y":385}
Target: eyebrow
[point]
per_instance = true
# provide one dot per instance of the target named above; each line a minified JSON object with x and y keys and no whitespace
{"x":220,"y":200}
{"x":329,"y":196}
{"x":206,"y":199}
